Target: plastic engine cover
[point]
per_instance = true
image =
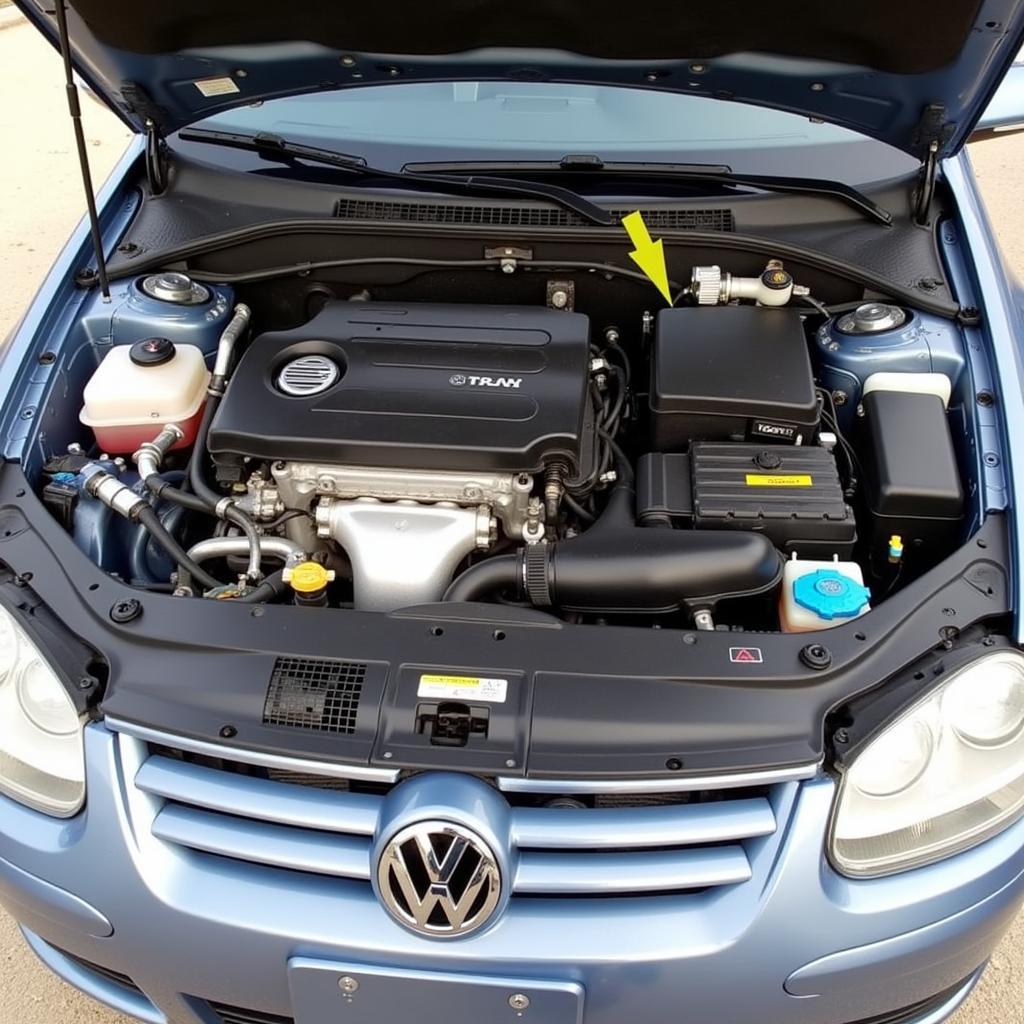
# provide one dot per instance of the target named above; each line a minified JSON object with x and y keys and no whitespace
{"x":416,"y":386}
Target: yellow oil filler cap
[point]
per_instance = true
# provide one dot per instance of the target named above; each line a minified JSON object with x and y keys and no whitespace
{"x":308,"y":577}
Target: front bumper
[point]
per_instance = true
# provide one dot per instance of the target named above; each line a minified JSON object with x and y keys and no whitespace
{"x":794,"y":944}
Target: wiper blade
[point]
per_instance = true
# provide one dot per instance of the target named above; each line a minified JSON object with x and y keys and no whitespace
{"x":711,"y":174}
{"x":274,"y":147}
{"x":270,"y":145}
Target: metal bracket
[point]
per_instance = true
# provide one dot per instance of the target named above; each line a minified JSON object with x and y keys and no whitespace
{"x":561,"y":295}
{"x":509,"y":255}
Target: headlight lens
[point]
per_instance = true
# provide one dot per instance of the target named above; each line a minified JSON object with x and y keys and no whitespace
{"x":42,"y":760}
{"x":946,"y":775}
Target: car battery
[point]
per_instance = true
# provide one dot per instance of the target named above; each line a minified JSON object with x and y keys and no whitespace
{"x":731,"y":373}
{"x":793,"y":495}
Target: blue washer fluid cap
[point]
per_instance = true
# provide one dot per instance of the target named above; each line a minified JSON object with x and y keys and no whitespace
{"x":830,"y":594}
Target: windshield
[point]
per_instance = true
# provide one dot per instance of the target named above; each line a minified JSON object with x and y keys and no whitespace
{"x":503,"y":121}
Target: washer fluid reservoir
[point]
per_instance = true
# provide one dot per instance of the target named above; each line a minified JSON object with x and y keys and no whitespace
{"x":821,"y":595}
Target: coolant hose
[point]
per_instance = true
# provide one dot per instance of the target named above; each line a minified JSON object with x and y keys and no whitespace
{"x":151,"y":521}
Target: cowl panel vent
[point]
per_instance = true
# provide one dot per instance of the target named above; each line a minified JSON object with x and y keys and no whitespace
{"x":316,"y":694}
{"x":658,"y":218}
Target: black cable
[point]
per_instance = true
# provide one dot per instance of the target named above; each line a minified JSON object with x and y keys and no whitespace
{"x":269,"y":273}
{"x":151,"y":521}
{"x":286,"y":516}
{"x":578,"y":509}
{"x":611,"y":420}
{"x":622,"y":464}
{"x":627,"y":366}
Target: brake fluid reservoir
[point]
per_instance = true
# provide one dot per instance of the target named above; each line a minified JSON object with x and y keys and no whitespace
{"x":820,"y":595}
{"x":137,"y":390}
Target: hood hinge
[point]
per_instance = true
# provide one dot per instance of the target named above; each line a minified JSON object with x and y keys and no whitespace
{"x":139,"y":102}
{"x":933,"y":131}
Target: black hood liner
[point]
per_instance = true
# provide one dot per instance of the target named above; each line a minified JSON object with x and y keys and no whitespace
{"x":905,"y":37}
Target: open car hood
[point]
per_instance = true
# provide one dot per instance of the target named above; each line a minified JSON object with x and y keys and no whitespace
{"x":916,"y":74}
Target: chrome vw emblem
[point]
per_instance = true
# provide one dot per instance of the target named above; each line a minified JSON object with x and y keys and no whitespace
{"x":439,"y":879}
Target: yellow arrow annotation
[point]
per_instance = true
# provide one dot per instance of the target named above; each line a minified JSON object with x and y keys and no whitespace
{"x":647,"y":255}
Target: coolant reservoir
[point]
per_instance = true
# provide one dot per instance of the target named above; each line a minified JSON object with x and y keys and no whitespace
{"x":821,"y":595}
{"x":138,"y":389}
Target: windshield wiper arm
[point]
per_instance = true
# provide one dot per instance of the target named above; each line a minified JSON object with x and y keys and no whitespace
{"x":712,"y":174}
{"x":274,"y":147}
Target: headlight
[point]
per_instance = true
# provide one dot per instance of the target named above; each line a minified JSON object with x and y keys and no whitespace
{"x":42,"y":761}
{"x":944,"y":776}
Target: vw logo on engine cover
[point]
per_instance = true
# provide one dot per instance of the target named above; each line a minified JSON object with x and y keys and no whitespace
{"x":439,"y":879}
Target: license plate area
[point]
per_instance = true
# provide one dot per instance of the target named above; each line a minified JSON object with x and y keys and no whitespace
{"x":328,"y":992}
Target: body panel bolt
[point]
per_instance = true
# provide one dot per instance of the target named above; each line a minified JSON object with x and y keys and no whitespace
{"x":348,"y":984}
{"x":519,"y":1002}
{"x":126,"y":611}
{"x":816,"y":656}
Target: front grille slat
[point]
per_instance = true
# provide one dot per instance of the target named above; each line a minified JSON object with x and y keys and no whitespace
{"x":684,"y":842}
{"x":609,"y":874}
{"x":249,"y":796}
{"x":319,"y":853}
{"x":672,"y":825}
{"x":239,"y":1015}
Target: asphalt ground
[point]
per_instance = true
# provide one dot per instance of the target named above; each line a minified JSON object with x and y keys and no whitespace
{"x":40,"y":203}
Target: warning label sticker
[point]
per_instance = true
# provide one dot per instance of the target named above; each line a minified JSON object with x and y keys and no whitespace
{"x":440,"y":687}
{"x":779,"y":480}
{"x":216,"y":86}
{"x":746,"y":655}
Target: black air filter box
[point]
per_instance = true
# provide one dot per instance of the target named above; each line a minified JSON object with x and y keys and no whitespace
{"x":791,"y":495}
{"x":731,"y":373}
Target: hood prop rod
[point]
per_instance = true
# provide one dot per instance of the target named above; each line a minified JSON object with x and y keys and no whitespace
{"x":75,"y":110}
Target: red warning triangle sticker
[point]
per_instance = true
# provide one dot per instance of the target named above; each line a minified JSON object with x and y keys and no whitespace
{"x":745,"y":655}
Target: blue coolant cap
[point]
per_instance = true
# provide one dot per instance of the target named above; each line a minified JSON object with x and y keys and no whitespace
{"x":830,"y":594}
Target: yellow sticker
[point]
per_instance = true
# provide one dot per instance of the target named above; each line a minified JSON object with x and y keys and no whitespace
{"x":779,"y":480}
{"x":445,"y":687}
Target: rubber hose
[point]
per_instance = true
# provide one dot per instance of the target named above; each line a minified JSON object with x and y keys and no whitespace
{"x":482,"y":579}
{"x":195,"y":465}
{"x":248,"y":527}
{"x":162,"y":489}
{"x":207,"y":494}
{"x":270,"y":589}
{"x":151,"y":521}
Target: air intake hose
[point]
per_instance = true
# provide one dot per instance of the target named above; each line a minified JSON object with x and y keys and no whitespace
{"x":618,"y":567}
